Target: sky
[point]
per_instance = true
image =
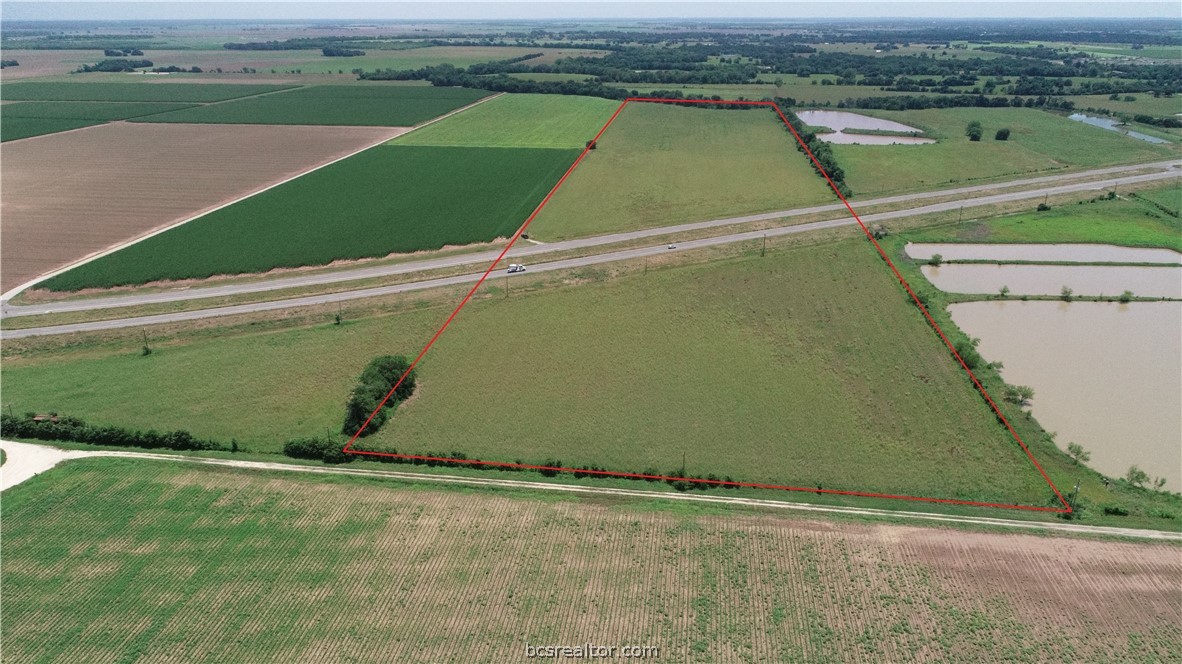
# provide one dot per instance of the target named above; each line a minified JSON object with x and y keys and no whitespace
{"x":568,"y":9}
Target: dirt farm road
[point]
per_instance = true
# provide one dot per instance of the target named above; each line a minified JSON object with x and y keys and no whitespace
{"x":1168,"y":170}
{"x":26,"y":460}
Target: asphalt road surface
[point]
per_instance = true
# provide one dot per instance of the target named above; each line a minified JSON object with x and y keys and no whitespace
{"x":1168,"y":170}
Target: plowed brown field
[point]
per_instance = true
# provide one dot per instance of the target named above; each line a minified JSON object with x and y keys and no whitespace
{"x":172,"y":563}
{"x":64,"y":197}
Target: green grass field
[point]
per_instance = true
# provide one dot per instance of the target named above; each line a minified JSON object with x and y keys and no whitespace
{"x":511,"y":121}
{"x":388,"y":199}
{"x":659,"y":165}
{"x":12,"y":129}
{"x":1039,"y":142}
{"x":1127,"y":223}
{"x":1113,"y":50}
{"x":1142,"y":103}
{"x":173,"y":92}
{"x":770,"y":370}
{"x":1170,"y":197}
{"x":376,"y":105}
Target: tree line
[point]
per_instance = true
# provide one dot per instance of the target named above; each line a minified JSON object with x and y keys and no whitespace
{"x":821,"y":151}
{"x":72,"y":429}
{"x":114,"y":65}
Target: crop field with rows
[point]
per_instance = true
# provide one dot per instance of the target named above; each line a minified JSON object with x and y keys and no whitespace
{"x":173,"y":92}
{"x":34,"y":118}
{"x":388,"y":199}
{"x":365,"y":105}
{"x":110,"y":560}
{"x":70,"y":195}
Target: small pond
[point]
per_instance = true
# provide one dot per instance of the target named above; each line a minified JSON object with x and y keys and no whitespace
{"x":1115,"y":125}
{"x":1164,"y":281}
{"x":1105,"y":375}
{"x":840,"y":120}
{"x":1049,"y":253}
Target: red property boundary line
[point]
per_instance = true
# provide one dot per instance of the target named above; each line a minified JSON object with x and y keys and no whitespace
{"x":865,"y":494}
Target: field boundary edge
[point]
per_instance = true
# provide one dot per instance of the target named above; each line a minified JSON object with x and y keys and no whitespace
{"x":1066,"y":507}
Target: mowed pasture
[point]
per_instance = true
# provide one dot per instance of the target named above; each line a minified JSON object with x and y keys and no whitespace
{"x":1130,"y":222}
{"x":1039,"y":142}
{"x":775,"y":369}
{"x":120,"y":560}
{"x":386,"y":200}
{"x":36,"y":118}
{"x":171,"y":92}
{"x":1143,"y":103}
{"x":659,"y":164}
{"x":68,"y":196}
{"x":365,"y":105}
{"x":520,"y":121}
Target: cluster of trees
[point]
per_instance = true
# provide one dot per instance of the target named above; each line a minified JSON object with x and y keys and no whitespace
{"x":820,"y":150}
{"x":121,"y":52}
{"x":681,"y":65}
{"x":378,"y":378}
{"x":4,"y":64}
{"x":173,"y":69}
{"x":337,"y":52}
{"x":918,"y":102}
{"x":451,"y":76}
{"x":1168,"y":121}
{"x":75,"y":430}
{"x":115,"y":65}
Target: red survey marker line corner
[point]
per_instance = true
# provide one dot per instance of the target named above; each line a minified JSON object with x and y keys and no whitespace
{"x":1066,"y":509}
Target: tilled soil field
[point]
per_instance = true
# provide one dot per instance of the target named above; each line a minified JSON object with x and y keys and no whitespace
{"x":68,"y":196}
{"x":109,"y":560}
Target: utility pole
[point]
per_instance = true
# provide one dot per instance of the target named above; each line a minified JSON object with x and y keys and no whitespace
{"x":763,"y":249}
{"x":1074,"y":493}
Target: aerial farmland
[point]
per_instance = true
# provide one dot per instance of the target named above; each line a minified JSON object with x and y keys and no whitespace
{"x":706,"y":341}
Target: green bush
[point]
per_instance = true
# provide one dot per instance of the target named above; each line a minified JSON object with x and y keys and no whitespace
{"x":326,"y":449}
{"x":378,"y":378}
{"x":967,"y":351}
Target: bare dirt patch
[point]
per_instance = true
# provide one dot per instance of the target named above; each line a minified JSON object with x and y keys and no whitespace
{"x":37,"y":62}
{"x":66,"y":197}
